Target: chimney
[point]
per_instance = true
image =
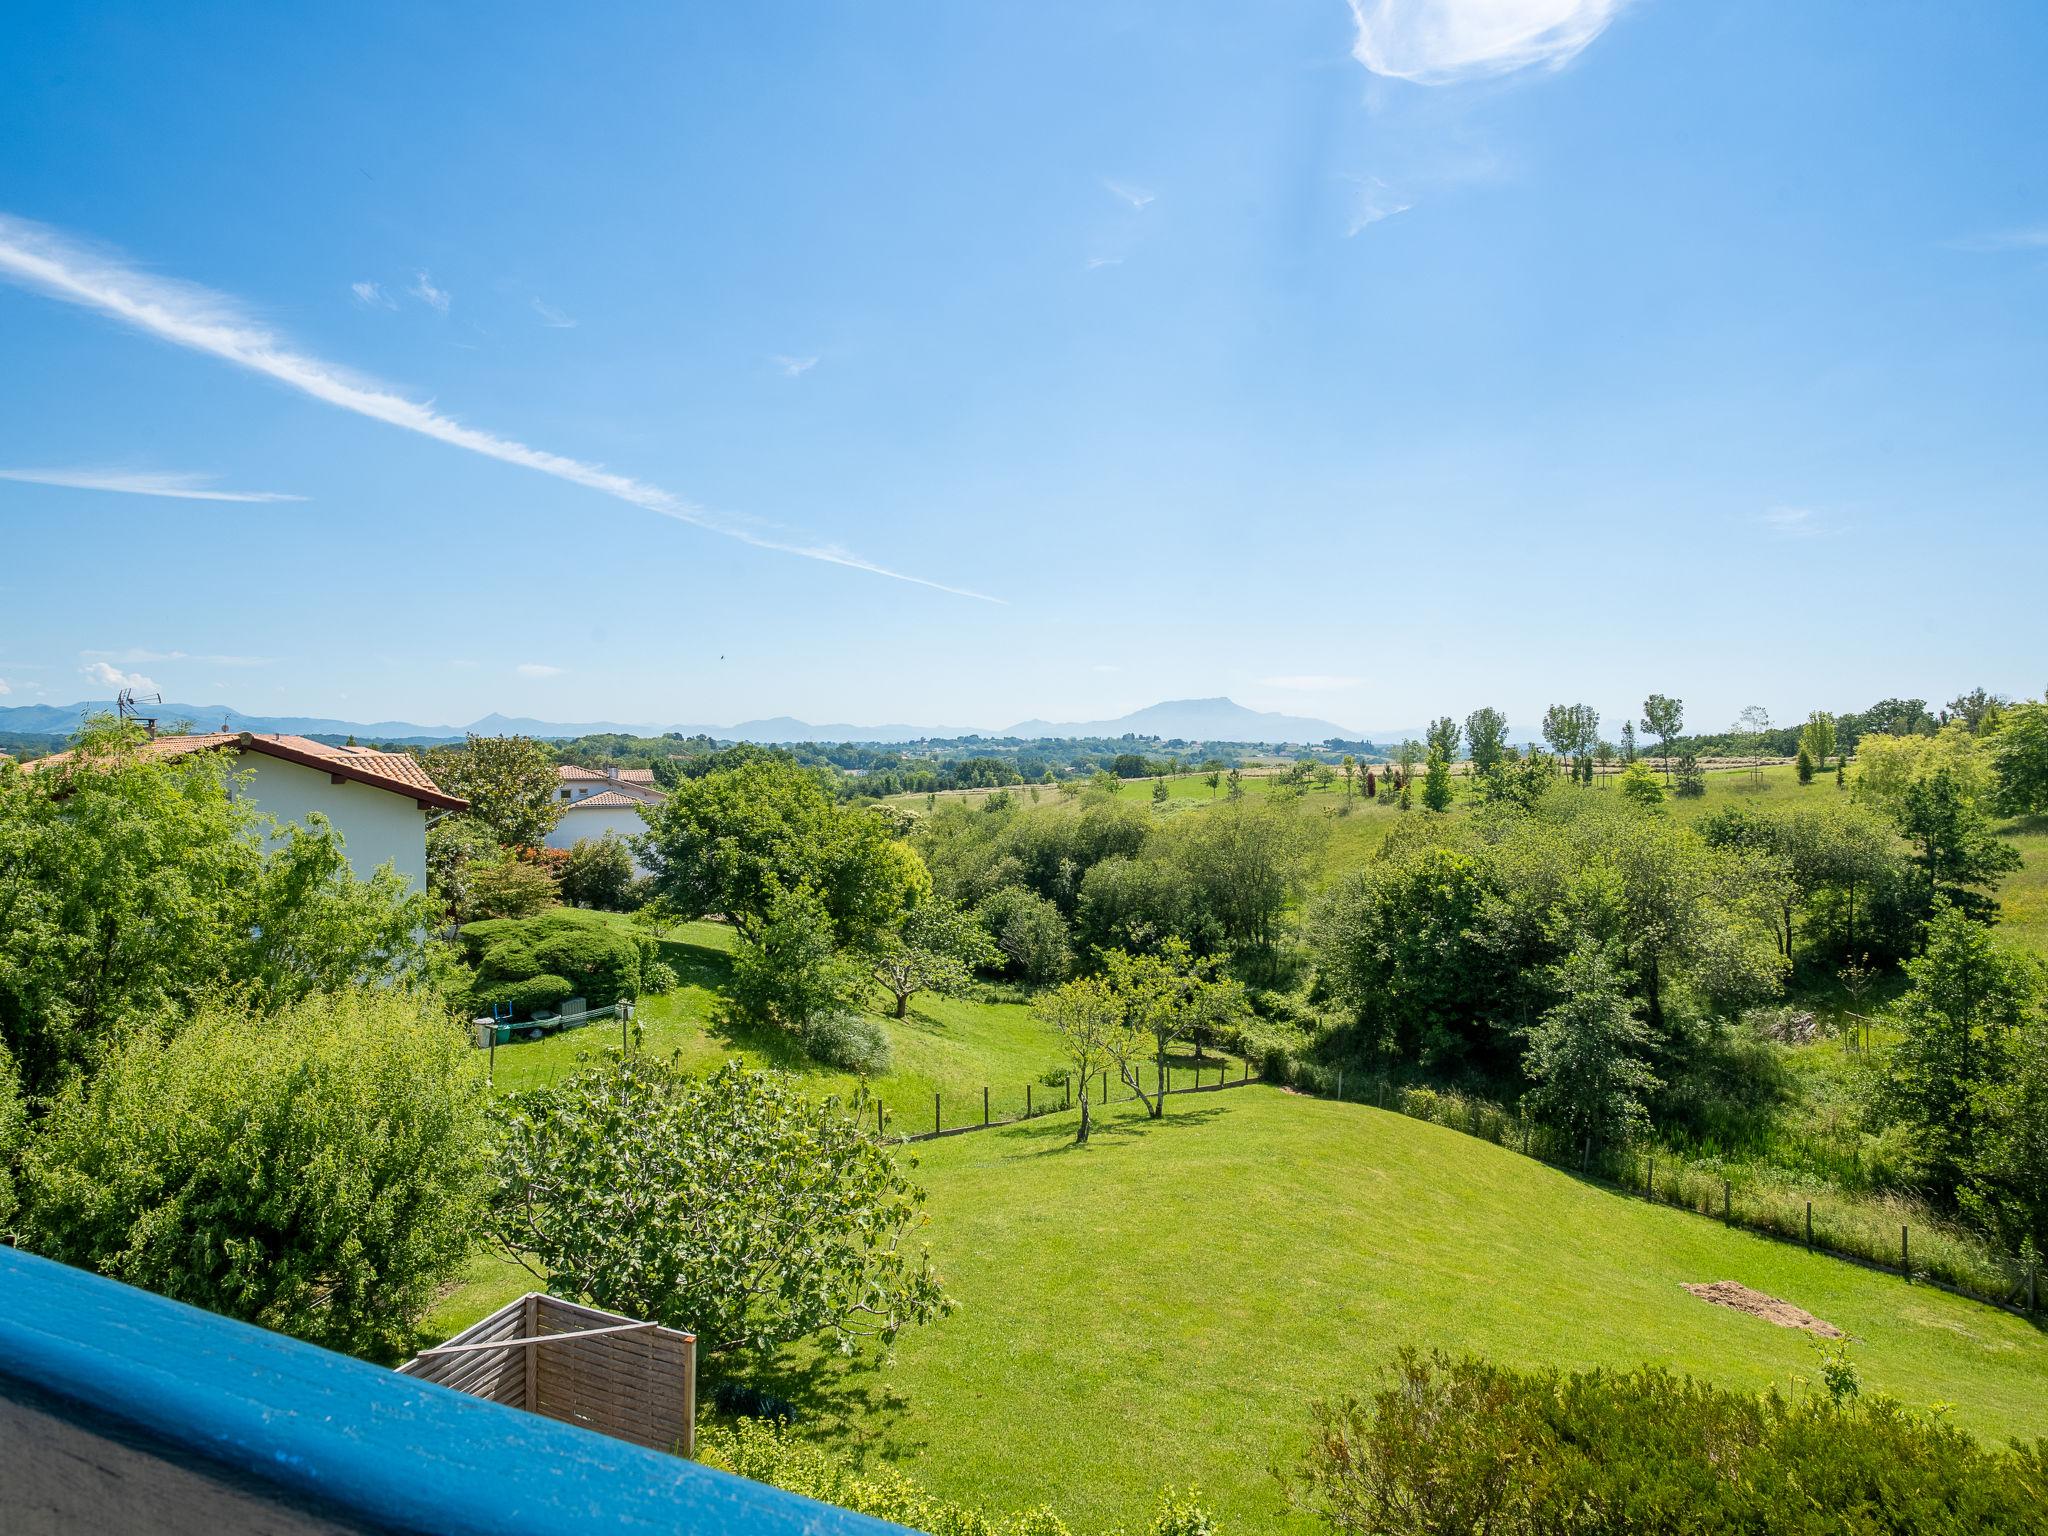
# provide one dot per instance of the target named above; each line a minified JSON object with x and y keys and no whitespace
{"x":612,"y":771}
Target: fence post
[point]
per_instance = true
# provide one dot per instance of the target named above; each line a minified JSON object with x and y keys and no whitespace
{"x":1027,"y":1101}
{"x":1340,"y":1085}
{"x":1247,"y":1069}
{"x":1905,"y":1256}
{"x":1105,"y":1086}
{"x":2034,"y":1287}
{"x":1726,"y":1200}
{"x":984,"y":1105}
{"x":1809,"y":1226}
{"x":935,"y":1114}
{"x":878,"y":1117}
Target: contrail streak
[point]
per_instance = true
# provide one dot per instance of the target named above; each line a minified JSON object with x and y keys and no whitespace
{"x":188,"y":315}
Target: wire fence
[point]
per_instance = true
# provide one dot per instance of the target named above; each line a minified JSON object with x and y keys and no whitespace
{"x":1878,"y":1232}
{"x":1040,"y":1099}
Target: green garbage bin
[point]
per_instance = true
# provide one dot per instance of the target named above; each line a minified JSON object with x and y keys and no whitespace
{"x":504,"y":1034}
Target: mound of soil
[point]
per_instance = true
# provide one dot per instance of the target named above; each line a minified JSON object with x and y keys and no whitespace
{"x":1730,"y":1293}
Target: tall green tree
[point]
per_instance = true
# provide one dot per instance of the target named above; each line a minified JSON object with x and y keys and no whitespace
{"x":1753,"y":728}
{"x":2005,"y":1189}
{"x":1818,"y":737}
{"x":1967,"y":993}
{"x":730,"y":841}
{"x":1664,"y":718}
{"x":1436,"y":785}
{"x":1442,"y":738}
{"x":1486,"y":731}
{"x":509,"y":782}
{"x":1961,"y":859}
{"x":1089,"y":1018}
{"x":1587,"y":1060}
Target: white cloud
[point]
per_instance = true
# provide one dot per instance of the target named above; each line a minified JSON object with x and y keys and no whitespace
{"x":1311,"y":682}
{"x":549,"y":315}
{"x":1104,"y":261}
{"x":180,"y":487}
{"x":372,"y":295}
{"x":793,"y":367}
{"x":113,"y":677}
{"x":4,"y":689}
{"x":538,"y":669}
{"x":1375,"y":201}
{"x":2035,"y":239}
{"x":1794,"y":523}
{"x":1137,"y":197}
{"x":195,"y":317}
{"x":424,"y":290}
{"x":1436,"y":42}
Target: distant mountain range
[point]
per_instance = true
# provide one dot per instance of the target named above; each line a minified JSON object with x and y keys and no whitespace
{"x":1194,"y":720}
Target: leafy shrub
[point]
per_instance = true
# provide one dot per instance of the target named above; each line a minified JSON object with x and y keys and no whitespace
{"x":315,"y":1171}
{"x":791,"y":972}
{"x":506,"y":887}
{"x":13,"y":1133}
{"x":598,"y":960}
{"x":1029,"y":933}
{"x":598,"y":872}
{"x":759,"y":1214}
{"x":1461,"y":1445}
{"x":657,"y":977}
{"x":525,"y":998}
{"x":767,"y":1454}
{"x":848,"y":1041}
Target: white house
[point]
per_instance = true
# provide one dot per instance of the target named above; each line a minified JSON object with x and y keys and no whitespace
{"x":379,"y":802}
{"x":595,"y":801}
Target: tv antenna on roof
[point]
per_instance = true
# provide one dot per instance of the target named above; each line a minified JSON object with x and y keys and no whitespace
{"x":125,"y":705}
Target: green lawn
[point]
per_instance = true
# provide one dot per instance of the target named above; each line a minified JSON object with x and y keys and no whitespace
{"x":1160,"y":1306}
{"x":952,"y":1047}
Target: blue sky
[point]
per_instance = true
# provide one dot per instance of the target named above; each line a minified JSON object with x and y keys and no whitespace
{"x":956,"y":364}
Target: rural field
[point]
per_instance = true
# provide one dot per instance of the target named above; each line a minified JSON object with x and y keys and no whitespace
{"x":1160,"y":1306}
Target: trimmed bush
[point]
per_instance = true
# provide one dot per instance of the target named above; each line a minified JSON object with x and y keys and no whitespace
{"x":1463,"y":1445}
{"x":579,"y":953}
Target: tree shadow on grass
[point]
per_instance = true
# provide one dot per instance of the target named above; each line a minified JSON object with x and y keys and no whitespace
{"x":1051,"y":1134}
{"x":849,"y":1404}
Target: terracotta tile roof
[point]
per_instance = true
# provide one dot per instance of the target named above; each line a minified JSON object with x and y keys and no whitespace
{"x":398,"y":772}
{"x":576,"y":773}
{"x":609,"y":800}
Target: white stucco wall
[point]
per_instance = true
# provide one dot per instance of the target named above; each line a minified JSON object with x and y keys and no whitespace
{"x":580,"y":822}
{"x":377,"y":826}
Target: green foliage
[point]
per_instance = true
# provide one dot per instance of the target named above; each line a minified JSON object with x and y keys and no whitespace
{"x":1396,"y":951}
{"x":596,"y":959}
{"x":459,"y":847}
{"x":1436,"y":784}
{"x":599,"y":873}
{"x":1455,"y":1446}
{"x":658,"y":977}
{"x":1442,"y":738}
{"x":1663,"y":718}
{"x":731,"y":841}
{"x":315,"y":1170}
{"x":1692,"y":779}
{"x":1817,"y":737}
{"x":1968,"y":994}
{"x":505,"y":885}
{"x":1639,"y":785}
{"x":766,"y":1453}
{"x":1486,"y":731}
{"x":1804,"y":766}
{"x":2019,"y":758}
{"x":1586,"y":1059}
{"x":1029,"y":934}
{"x":789,"y":972}
{"x":736,"y":1207}
{"x":936,"y":948}
{"x":850,"y":1042}
{"x":509,"y":782}
{"x":13,"y":1137}
{"x":2005,"y":1189}
{"x":132,"y":888}
{"x":1089,"y":1017}
{"x":1960,"y":856}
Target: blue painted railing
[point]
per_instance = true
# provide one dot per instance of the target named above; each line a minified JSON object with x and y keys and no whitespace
{"x":339,"y":1440}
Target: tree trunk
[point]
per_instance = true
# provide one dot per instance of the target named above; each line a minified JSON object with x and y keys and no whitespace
{"x":902,"y":1004}
{"x":1081,"y":1138}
